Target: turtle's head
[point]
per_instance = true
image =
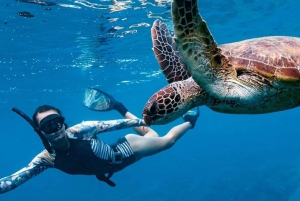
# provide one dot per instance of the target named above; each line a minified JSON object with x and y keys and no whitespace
{"x":163,"y":107}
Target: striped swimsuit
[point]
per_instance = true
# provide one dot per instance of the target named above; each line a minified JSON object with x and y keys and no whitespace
{"x":106,"y":152}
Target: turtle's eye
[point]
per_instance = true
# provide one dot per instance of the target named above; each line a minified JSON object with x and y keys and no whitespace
{"x":153,"y":109}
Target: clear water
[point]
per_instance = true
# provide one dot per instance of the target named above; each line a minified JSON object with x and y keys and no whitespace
{"x":51,"y":57}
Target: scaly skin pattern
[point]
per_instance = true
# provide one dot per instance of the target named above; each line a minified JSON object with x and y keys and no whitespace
{"x":253,"y":76}
{"x":200,"y":53}
{"x":182,"y":93}
{"x":173,"y":101}
{"x":166,"y":53}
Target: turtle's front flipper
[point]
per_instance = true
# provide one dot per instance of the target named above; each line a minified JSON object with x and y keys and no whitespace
{"x":198,"y":48}
{"x":166,"y":53}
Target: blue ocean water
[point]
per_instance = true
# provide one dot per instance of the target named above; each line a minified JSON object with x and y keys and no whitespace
{"x":68,"y":45}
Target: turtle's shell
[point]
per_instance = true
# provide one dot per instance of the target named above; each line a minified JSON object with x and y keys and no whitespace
{"x":276,"y":58}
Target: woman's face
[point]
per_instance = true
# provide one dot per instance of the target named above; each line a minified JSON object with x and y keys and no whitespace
{"x":50,"y":124}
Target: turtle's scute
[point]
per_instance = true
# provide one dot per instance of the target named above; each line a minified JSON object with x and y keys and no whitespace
{"x":289,"y":75}
{"x":273,"y":57}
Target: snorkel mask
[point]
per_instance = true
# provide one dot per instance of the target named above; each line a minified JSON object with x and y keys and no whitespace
{"x":51,"y":124}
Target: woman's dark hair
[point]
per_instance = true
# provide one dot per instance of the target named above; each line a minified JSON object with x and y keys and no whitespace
{"x":45,"y":108}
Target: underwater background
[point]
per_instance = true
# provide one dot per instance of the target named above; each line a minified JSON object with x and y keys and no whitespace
{"x":51,"y":51}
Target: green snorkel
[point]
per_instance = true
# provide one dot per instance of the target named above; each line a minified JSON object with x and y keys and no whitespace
{"x":44,"y":140}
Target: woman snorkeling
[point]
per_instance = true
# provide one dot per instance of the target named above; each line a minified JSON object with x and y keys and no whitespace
{"x":78,"y":150}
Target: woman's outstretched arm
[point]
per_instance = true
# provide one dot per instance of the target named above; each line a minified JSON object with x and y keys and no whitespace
{"x":40,"y":163}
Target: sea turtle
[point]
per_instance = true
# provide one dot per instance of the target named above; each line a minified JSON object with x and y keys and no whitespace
{"x":253,"y":76}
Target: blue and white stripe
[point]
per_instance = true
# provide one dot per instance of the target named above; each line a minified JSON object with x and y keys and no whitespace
{"x":101,"y":149}
{"x":125,"y":149}
{"x":105,"y":152}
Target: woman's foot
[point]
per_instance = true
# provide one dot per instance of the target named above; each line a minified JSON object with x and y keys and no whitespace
{"x":191,"y":116}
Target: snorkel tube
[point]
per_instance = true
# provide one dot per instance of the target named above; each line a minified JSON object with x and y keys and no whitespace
{"x":44,"y":140}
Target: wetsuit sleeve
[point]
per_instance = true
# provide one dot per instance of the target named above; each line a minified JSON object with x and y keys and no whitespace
{"x":90,"y":128}
{"x":40,"y":163}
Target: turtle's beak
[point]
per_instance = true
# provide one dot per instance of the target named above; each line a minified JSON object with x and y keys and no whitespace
{"x":150,"y":112}
{"x":148,"y":120}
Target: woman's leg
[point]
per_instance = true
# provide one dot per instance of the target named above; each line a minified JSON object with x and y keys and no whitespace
{"x":147,"y":146}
